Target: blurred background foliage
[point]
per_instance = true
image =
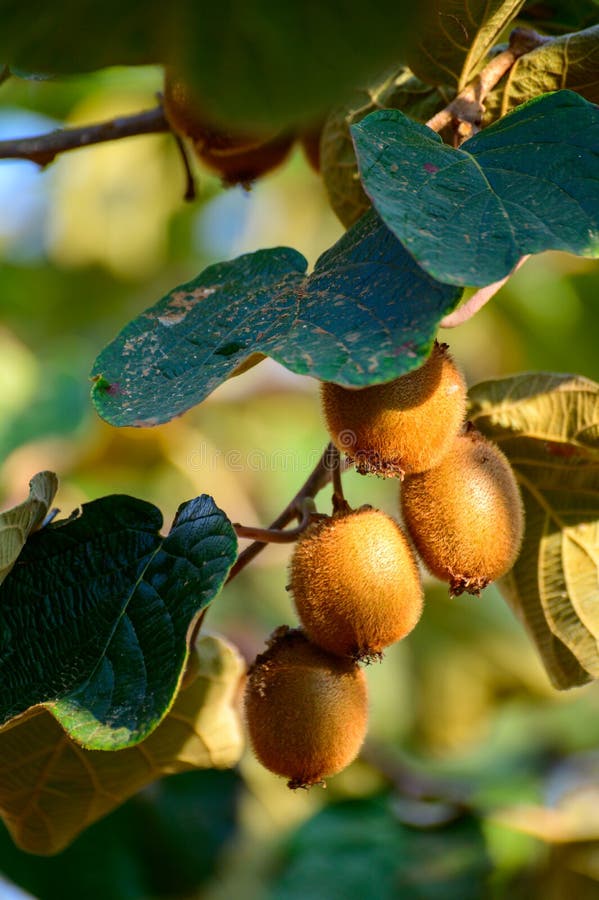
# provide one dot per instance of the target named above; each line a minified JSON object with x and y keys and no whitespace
{"x":464,"y":701}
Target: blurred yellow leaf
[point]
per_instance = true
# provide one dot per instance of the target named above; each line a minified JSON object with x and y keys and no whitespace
{"x":51,"y":789}
{"x":548,"y":427}
{"x":17,"y":524}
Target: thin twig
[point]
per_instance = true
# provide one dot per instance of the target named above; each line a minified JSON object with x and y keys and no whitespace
{"x":316,"y":481}
{"x":277,"y":535}
{"x":477,"y":300}
{"x":467,"y":109}
{"x":44,"y":148}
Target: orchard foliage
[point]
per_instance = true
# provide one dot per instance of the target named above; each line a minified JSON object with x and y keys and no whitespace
{"x":453,"y":145}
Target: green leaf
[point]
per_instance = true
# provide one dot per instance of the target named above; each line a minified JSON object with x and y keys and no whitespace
{"x":528,"y":183}
{"x":57,"y":789}
{"x":261,"y":63}
{"x":548,"y":427}
{"x":18,"y":523}
{"x":94,"y":616}
{"x":559,"y":16}
{"x":360,"y":848}
{"x":164,"y":842}
{"x":570,"y":61}
{"x":456,"y":38}
{"x":338,"y":164}
{"x":366,"y":314}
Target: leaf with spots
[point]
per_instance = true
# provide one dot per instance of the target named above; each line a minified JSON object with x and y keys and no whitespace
{"x":570,"y":61}
{"x":528,"y":183}
{"x":367,"y":314}
{"x":94,"y":616}
{"x":18,"y":523}
{"x":548,"y":427}
{"x":456,"y":37}
{"x":51,"y":788}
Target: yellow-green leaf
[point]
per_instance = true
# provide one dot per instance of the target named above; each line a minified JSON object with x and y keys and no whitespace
{"x":457,"y":36}
{"x":548,"y":427}
{"x":570,"y":61}
{"x":399,"y":89}
{"x":16,"y":524}
{"x":51,"y":789}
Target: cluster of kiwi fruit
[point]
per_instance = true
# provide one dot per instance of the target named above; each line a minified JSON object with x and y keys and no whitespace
{"x":238,"y":157}
{"x":354,"y":576}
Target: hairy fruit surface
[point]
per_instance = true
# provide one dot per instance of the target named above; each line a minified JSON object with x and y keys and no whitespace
{"x":355,"y":583}
{"x":306,"y":710}
{"x":404,"y":426}
{"x":238,"y":158}
{"x":465,"y":516}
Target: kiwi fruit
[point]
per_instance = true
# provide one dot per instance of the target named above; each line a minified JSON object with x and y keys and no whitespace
{"x":465,"y":516}
{"x":355,"y":583}
{"x":403,"y":426}
{"x":306,"y":710}
{"x":238,"y":158}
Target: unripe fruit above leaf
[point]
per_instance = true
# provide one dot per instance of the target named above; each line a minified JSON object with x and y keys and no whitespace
{"x":465,"y":516}
{"x":239,"y":158}
{"x":355,"y":583}
{"x":306,"y":710}
{"x":406,"y":425}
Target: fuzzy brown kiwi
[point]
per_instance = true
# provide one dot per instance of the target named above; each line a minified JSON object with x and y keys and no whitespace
{"x":404,"y":426}
{"x":355,"y":583}
{"x":465,"y":516}
{"x":238,"y":158}
{"x":306,"y":710}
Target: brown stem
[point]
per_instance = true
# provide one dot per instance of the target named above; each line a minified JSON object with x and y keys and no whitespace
{"x":190,"y":186}
{"x":278,"y":535}
{"x":44,"y":148}
{"x":477,"y":300}
{"x":318,"y":478}
{"x":467,"y":109}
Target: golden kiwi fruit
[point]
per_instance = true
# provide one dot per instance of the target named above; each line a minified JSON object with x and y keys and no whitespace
{"x":355,"y":583}
{"x":403,"y":426}
{"x":238,"y":158}
{"x":306,"y":710}
{"x":465,"y":516}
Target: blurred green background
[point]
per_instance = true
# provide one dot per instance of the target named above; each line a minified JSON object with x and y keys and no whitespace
{"x":464,"y":701}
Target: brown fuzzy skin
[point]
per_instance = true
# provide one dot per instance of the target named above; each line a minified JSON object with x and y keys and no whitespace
{"x":238,"y":158}
{"x":306,"y":711}
{"x":466,"y":516}
{"x":355,"y":583}
{"x":404,"y":426}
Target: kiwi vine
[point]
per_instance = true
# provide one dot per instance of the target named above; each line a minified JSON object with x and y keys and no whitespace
{"x":356,"y":576}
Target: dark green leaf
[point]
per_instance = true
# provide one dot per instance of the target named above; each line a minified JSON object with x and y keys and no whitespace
{"x":456,"y":37}
{"x":570,"y":61}
{"x":18,"y":523}
{"x":366,"y":314}
{"x":94,"y":617}
{"x":548,"y":427}
{"x":260,"y":64}
{"x":559,"y":16}
{"x":528,"y":183}
{"x":361,"y":849}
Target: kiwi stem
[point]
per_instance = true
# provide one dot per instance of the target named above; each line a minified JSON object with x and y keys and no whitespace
{"x":190,"y":186}
{"x":318,"y":479}
{"x":278,"y":535}
{"x":338,"y":495}
{"x":465,"y":112}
